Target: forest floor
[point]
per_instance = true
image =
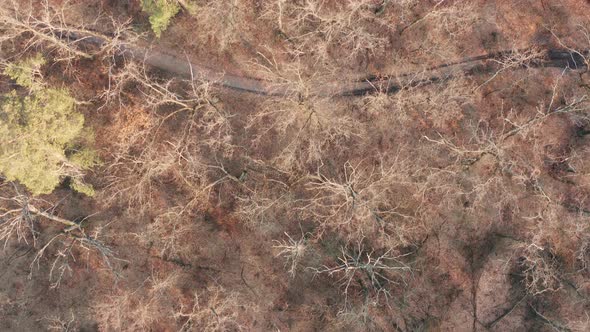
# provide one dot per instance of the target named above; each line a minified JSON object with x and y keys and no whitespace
{"x":459,"y":205}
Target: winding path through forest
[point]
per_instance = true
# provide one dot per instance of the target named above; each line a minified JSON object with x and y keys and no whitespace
{"x":487,"y":63}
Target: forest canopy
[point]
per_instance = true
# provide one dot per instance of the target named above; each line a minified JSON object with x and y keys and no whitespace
{"x":360,"y":165}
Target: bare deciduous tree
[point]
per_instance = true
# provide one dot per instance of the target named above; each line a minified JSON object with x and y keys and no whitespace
{"x":365,"y":199}
{"x":48,"y":28}
{"x":292,"y":251}
{"x":318,"y":30}
{"x":375,"y":272}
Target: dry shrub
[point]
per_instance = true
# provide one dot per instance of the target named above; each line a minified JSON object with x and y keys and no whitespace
{"x":221,"y":21}
{"x":442,"y":104}
{"x":540,"y":270}
{"x":577,"y":162}
{"x":17,"y":223}
{"x":62,"y":324}
{"x":328,"y":31}
{"x":490,"y":196}
{"x":423,"y":103}
{"x":131,"y":127}
{"x":438,"y":32}
{"x":308,"y":131}
{"x":132,"y":177}
{"x":173,"y":234}
{"x":138,"y":179}
{"x":379,"y":103}
{"x":265,"y":206}
{"x":580,"y":233}
{"x":183,"y":124}
{"x":214,"y":310}
{"x":580,"y":325}
{"x":149,"y":306}
{"x":358,"y":317}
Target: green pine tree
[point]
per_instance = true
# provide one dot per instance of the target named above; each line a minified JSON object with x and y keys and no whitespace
{"x":161,"y":13}
{"x":38,"y":128}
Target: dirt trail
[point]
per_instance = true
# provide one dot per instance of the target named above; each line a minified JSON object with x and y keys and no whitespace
{"x":486,"y":63}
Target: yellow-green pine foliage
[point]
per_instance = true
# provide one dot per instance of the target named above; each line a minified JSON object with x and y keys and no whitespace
{"x":24,"y":72}
{"x":82,"y":187}
{"x":161,"y":13}
{"x":35,"y":131}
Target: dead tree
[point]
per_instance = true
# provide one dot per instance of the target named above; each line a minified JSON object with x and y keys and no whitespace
{"x":20,"y":216}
